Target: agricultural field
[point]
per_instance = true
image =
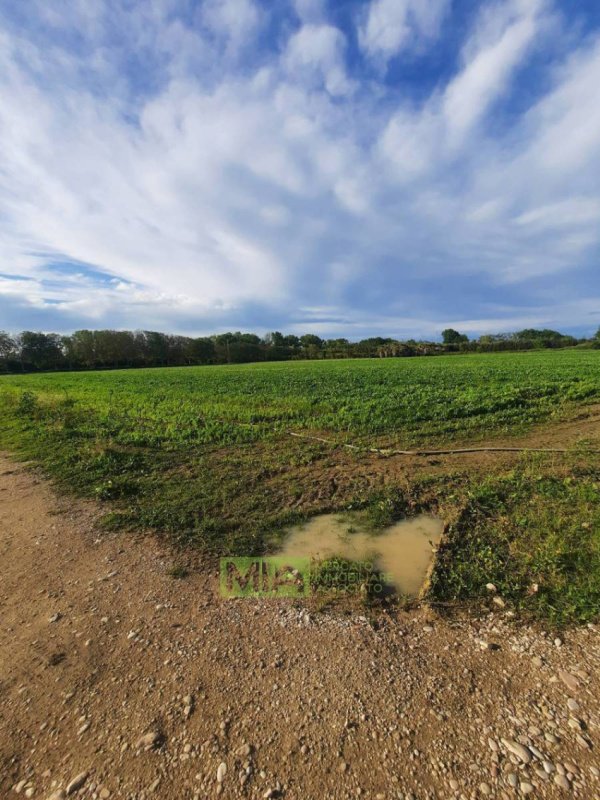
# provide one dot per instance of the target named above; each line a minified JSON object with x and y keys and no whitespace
{"x":204,"y":455}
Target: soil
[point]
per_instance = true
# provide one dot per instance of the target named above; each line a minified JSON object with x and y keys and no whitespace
{"x":119,"y":680}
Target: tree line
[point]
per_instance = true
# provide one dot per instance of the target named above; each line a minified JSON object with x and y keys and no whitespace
{"x":32,"y":351}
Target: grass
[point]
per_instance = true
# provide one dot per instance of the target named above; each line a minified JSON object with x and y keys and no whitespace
{"x":203,"y":455}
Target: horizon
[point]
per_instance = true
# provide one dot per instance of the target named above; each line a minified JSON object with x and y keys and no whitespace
{"x":350,"y":169}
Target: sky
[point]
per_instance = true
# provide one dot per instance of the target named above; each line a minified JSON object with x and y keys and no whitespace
{"x":349,"y":168}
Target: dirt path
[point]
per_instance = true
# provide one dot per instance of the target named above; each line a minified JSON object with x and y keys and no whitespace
{"x":99,"y":646}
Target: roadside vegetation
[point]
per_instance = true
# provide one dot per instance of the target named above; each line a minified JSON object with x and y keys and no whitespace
{"x":204,"y":456}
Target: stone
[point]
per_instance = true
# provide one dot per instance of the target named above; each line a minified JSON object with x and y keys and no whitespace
{"x":519,"y":750}
{"x":526,"y":787}
{"x":77,"y":782}
{"x":149,"y":740}
{"x":570,"y":681}
{"x":562,"y":781}
{"x":221,"y":772}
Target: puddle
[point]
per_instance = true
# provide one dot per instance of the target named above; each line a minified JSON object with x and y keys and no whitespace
{"x":403,"y":551}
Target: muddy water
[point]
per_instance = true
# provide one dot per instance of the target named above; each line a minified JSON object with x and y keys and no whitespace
{"x":403,"y":551}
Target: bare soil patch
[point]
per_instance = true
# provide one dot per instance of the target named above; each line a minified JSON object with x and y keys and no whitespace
{"x":132,"y":684}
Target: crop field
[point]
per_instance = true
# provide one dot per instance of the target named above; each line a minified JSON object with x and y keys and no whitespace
{"x":204,"y":455}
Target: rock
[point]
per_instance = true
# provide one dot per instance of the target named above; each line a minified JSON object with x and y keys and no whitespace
{"x":149,"y":740}
{"x":343,"y":767}
{"x":55,"y":617}
{"x":526,"y":787}
{"x":453,"y":784}
{"x":562,"y":781}
{"x":537,"y":661}
{"x":18,"y":787}
{"x":243,"y":751}
{"x":512,"y":779}
{"x":77,"y":782}
{"x":491,"y":588}
{"x":59,"y":794}
{"x":154,"y":785}
{"x":221,"y":772}
{"x":572,"y":704}
{"x":498,"y":601}
{"x":548,"y":767}
{"x":485,"y":789}
{"x":583,"y":742}
{"x":570,"y":681}
{"x":104,"y":794}
{"x":519,"y":750}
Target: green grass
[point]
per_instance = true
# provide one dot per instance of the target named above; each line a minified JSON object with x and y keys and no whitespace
{"x":203,"y":455}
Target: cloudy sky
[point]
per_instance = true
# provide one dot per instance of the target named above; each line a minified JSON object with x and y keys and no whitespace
{"x":348,"y":167}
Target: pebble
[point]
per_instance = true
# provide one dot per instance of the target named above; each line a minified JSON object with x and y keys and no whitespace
{"x":59,"y":794}
{"x":562,"y":781}
{"x":77,"y":782}
{"x":526,"y":787}
{"x":149,"y":740}
{"x":512,"y":779}
{"x":519,"y":750}
{"x":572,"y":704}
{"x":221,"y":772}
{"x":570,"y":681}
{"x":484,"y":789}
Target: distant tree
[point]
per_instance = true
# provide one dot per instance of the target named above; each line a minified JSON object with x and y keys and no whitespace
{"x":450,"y":336}
{"x":8,"y":346}
{"x":41,"y":350}
{"x":275,"y":339}
{"x":310,"y":340}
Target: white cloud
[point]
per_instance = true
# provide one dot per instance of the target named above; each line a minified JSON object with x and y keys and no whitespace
{"x":317,"y":51}
{"x":394,"y":25}
{"x":492,"y":54}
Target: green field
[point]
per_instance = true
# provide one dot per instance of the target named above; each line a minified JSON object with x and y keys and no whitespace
{"x":204,"y":453}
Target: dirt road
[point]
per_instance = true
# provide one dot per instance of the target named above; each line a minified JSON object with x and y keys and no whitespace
{"x":117,"y":680}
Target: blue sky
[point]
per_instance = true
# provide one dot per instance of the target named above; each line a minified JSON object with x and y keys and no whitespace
{"x":350,"y":168}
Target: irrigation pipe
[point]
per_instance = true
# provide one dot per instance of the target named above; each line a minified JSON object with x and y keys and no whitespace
{"x":441,"y":452}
